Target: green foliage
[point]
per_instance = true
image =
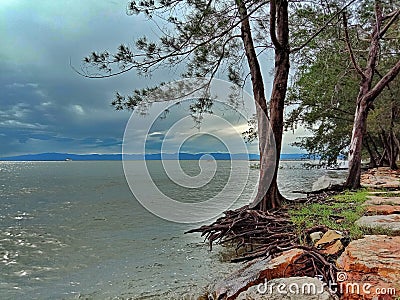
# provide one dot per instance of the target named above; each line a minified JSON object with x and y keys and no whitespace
{"x":323,"y":102}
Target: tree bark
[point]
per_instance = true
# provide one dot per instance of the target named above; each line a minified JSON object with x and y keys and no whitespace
{"x":394,"y":151}
{"x":359,"y":129}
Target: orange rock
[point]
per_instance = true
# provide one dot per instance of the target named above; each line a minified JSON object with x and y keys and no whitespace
{"x":383,"y":209}
{"x":333,"y":249}
{"x":329,"y":238}
{"x":376,"y":200}
{"x":372,"y":266}
{"x":256,"y":272}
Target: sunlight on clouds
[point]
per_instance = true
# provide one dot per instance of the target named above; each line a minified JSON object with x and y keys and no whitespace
{"x":18,"y":124}
{"x":155,"y":133}
{"x":77,"y":109}
{"x":47,"y":103}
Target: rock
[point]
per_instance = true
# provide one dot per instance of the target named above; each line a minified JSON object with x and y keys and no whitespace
{"x":376,"y":200}
{"x":333,"y":249}
{"x":316,"y":236}
{"x":254,"y":273}
{"x":293,"y":288}
{"x":390,"y":222}
{"x":326,"y":181}
{"x":373,"y":260}
{"x":383,"y":209}
{"x":381,"y":177}
{"x":330,"y":243}
{"x":329,"y":237}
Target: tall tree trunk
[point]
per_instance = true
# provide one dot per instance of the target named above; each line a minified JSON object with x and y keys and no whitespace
{"x":378,"y":155}
{"x":266,"y":144}
{"x":268,"y":195}
{"x":394,"y":150}
{"x":280,"y":37}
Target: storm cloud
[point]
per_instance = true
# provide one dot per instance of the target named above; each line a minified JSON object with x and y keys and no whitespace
{"x":45,"y":105}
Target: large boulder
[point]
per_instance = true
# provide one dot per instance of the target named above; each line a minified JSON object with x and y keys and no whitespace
{"x":325,"y":182}
{"x":370,"y":268}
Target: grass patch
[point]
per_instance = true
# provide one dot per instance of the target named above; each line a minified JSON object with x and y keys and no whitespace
{"x":338,"y":213}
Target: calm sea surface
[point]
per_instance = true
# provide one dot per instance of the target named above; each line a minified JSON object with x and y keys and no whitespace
{"x":73,"y":230}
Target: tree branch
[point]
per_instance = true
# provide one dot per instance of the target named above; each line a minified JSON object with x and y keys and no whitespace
{"x":391,"y":21}
{"x":385,"y":80}
{"x":350,"y":49}
{"x":321,"y":28}
{"x":272,"y":24}
{"x":146,"y":64}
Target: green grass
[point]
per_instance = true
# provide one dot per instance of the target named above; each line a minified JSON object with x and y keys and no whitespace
{"x":338,"y":213}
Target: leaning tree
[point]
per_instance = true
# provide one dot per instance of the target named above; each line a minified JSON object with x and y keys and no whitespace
{"x":382,"y":26}
{"x":210,"y":36}
{"x":359,"y":53}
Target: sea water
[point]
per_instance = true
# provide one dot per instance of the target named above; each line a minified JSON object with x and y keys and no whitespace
{"x":74,"y":230}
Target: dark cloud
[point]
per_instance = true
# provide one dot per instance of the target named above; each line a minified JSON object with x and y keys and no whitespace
{"x":47,"y":107}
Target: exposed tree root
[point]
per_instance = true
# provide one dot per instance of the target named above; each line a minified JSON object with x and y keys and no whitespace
{"x":256,"y":231}
{"x":256,"y":234}
{"x":312,"y":263}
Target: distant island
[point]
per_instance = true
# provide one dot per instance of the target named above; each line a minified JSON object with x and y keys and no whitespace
{"x":154,"y":156}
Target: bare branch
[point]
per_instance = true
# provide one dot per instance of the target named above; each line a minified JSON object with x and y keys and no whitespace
{"x":83,"y":74}
{"x":350,"y":49}
{"x":385,"y":80}
{"x":272,"y":24}
{"x":391,"y":21}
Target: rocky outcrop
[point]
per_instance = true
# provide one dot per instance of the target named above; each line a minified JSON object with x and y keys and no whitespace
{"x":293,"y":288}
{"x":370,"y":268}
{"x":254,"y":273}
{"x":378,"y":200}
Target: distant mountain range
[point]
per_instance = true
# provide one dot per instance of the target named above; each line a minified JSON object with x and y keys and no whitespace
{"x":182,"y":156}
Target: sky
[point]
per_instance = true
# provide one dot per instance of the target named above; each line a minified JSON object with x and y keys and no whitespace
{"x":44,"y":105}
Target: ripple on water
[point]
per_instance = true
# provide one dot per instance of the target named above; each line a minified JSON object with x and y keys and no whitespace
{"x":26,"y":254}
